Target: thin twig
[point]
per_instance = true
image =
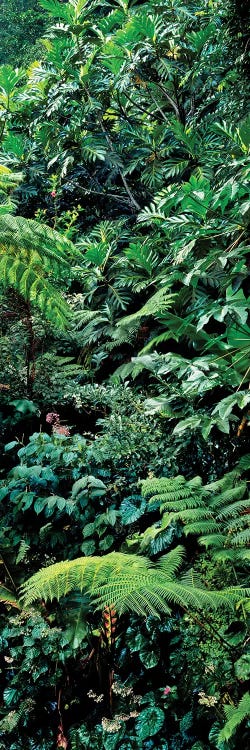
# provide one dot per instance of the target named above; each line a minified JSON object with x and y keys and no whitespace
{"x":127,"y":188}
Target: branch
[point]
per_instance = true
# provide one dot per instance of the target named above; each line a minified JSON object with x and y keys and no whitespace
{"x":170,"y":100}
{"x":128,"y":191}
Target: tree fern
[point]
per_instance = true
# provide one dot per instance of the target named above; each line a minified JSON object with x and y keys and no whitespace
{"x":235,"y":715}
{"x":32,"y":258}
{"x":129,"y":582}
{"x":217,"y":513}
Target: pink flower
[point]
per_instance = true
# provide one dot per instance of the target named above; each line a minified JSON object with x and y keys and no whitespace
{"x":57,"y":428}
{"x":60,"y":429}
{"x":52,"y":417}
{"x":53,"y":193}
{"x":167,"y":690}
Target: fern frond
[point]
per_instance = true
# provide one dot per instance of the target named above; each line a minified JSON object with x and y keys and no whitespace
{"x":186,"y":503}
{"x":202,"y":527}
{"x":212,"y":540}
{"x":220,"y":485}
{"x":18,"y":232}
{"x":170,"y":563}
{"x":128,"y":582}
{"x":217,"y":513}
{"x":57,"y":580}
{"x":234,"y":555}
{"x":237,"y":524}
{"x":235,"y":715}
{"x":192,"y":514}
{"x":241,"y":538}
{"x":233,"y":510}
{"x":233,"y":493}
{"x":159,"y":302}
{"x":155,"y":486}
{"x":31,"y":255}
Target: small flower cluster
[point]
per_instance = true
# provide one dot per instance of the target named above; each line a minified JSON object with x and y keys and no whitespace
{"x":123,"y":691}
{"x":126,"y":692}
{"x":207,"y":700}
{"x":133,"y":714}
{"x":57,"y":428}
{"x":113,"y":725}
{"x":52,"y":417}
{"x":96,"y":698}
{"x":60,"y":429}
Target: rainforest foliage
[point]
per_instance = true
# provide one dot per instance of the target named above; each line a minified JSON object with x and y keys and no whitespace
{"x":125,"y":361}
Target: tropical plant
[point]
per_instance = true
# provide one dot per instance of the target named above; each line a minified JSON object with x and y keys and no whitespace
{"x":30,"y":254}
{"x":124,"y":581}
{"x":124,"y":357}
{"x":235,"y":715}
{"x":216,"y":513}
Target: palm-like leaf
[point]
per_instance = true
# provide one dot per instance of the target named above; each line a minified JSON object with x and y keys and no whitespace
{"x":128,"y":582}
{"x":32,"y":257}
{"x":216,"y":513}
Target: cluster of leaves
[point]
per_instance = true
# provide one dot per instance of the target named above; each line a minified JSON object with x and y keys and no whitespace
{"x":89,"y":517}
{"x":124,"y":260}
{"x":20,"y":41}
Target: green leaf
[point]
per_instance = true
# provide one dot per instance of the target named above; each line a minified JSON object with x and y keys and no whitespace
{"x":40,"y":504}
{"x":9,"y":446}
{"x":10,"y":696}
{"x":149,"y":722}
{"x":25,"y":407}
{"x":242,"y":667}
{"x":149,"y":656}
{"x":88,"y":485}
{"x":88,"y":547}
{"x":130,"y":512}
{"x":239,"y":336}
{"x":106,"y":543}
{"x":191,"y":423}
{"x":88,"y":530}
{"x":244,"y":131}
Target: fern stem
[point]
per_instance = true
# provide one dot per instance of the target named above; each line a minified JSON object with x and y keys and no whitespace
{"x":127,"y":188}
{"x":2,"y":130}
{"x":242,"y":381}
{"x":159,"y":108}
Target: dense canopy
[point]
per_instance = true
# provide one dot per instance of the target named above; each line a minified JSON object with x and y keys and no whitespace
{"x":125,"y":370}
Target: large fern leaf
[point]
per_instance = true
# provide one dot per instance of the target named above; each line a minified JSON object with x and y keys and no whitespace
{"x":158,"y":303}
{"x":33,"y":257}
{"x":129,"y":582}
{"x":216,"y":513}
{"x":235,"y":716}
